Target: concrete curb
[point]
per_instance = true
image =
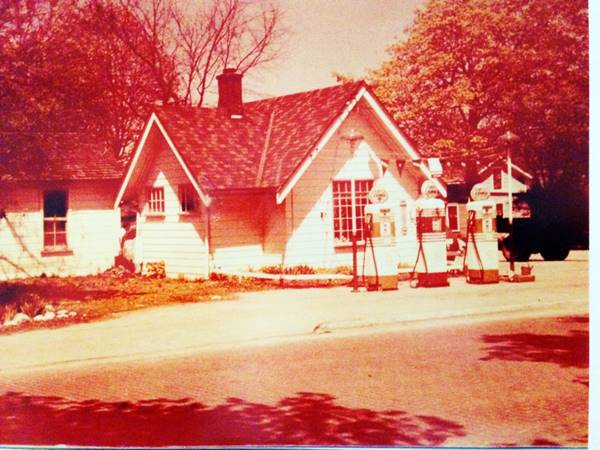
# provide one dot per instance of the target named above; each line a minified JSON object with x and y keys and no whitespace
{"x":549,"y":308}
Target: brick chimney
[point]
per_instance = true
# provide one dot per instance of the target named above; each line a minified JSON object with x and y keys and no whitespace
{"x":230,"y":92}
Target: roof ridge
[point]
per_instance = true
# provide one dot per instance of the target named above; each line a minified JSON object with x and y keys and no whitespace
{"x":354,"y":84}
{"x":263,"y":156}
{"x":263,"y":147}
{"x":335,"y":86}
{"x":185,"y":107}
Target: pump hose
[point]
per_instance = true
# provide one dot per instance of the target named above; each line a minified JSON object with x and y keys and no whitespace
{"x":369,"y":237}
{"x":420,"y":251}
{"x":364,"y":278}
{"x":471,"y":233}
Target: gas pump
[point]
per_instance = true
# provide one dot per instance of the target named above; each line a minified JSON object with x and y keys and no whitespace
{"x":481,"y":254}
{"x":380,"y":264}
{"x":430,"y":266}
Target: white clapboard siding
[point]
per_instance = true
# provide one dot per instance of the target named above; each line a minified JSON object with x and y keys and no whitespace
{"x":309,"y":207}
{"x":243,"y":232}
{"x":516,"y":185}
{"x":251,"y":231}
{"x":175,"y":238}
{"x":92,"y":230}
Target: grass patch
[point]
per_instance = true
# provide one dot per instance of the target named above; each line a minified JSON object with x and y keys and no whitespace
{"x":100,"y":296}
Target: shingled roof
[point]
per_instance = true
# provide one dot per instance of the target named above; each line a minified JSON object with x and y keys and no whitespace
{"x":56,"y":156}
{"x":261,"y":149}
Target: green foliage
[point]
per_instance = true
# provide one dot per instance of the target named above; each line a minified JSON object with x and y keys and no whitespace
{"x":16,"y":298}
{"x":471,"y":70}
{"x":31,"y":304}
{"x":155,"y":269}
{"x":63,"y":70}
{"x":214,"y":276}
{"x":344,"y":270}
{"x":99,"y":66}
{"x":7,"y":311}
{"x":340,"y":270}
{"x":10,"y":293}
{"x":288,"y":270}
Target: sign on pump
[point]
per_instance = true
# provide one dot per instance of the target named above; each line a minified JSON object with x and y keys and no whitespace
{"x":380,"y":257}
{"x":431,"y":266}
{"x":481,"y":259}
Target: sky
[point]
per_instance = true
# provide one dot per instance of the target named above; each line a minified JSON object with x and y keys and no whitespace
{"x":324,"y":36}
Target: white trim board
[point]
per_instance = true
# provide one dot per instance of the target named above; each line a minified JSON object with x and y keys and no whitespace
{"x":283,"y":193}
{"x":394,"y":131}
{"x":503,"y":167}
{"x":391,"y":127}
{"x":154,"y":120}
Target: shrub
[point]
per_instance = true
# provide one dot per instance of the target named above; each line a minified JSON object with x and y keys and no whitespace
{"x":16,"y":298}
{"x":10,"y":293}
{"x":273,"y":270}
{"x":7,"y":312}
{"x":301,"y":269}
{"x":218,"y":277}
{"x":31,"y":304}
{"x":344,"y":270}
{"x":155,"y":269}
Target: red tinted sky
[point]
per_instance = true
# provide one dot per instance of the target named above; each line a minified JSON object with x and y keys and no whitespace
{"x":325,"y":36}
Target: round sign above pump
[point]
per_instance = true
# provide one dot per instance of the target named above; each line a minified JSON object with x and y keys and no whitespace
{"x":480,"y":192}
{"x":428,"y":189}
{"x":378,"y":195}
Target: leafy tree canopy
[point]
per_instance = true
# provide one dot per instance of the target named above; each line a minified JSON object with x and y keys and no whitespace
{"x":98,"y":66}
{"x":469,"y":71}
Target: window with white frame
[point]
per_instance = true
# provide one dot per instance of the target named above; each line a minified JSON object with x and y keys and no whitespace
{"x":452,"y":217}
{"x":187,"y":198}
{"x":55,"y":220}
{"x":349,"y":200}
{"x":156,"y":200}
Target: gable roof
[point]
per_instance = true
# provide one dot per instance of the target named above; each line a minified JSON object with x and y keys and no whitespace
{"x":56,"y":156}
{"x":225,"y":153}
{"x":455,"y":172}
{"x":270,"y":146}
{"x":502,"y":163}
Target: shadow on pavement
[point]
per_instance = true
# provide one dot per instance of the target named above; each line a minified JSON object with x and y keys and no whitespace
{"x":303,"y":419}
{"x":570,"y":350}
{"x":583,"y":379}
{"x":542,"y":442}
{"x":576,"y":319}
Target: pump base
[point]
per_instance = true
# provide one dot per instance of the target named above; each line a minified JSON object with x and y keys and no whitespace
{"x":438,"y":279}
{"x":516,"y":278}
{"x":482,"y":276}
{"x":386,"y":283}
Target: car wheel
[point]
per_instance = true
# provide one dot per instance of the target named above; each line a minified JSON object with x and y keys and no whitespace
{"x":509,"y":251}
{"x":555,"y":253}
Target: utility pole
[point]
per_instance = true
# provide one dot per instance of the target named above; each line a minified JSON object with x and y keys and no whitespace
{"x":509,"y":138}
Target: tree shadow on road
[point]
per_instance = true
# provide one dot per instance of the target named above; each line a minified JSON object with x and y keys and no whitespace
{"x":576,"y":319}
{"x":571,"y":350}
{"x":303,"y":419}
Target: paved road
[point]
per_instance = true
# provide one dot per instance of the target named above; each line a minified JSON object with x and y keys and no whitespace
{"x":518,"y":382}
{"x":561,"y":288}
